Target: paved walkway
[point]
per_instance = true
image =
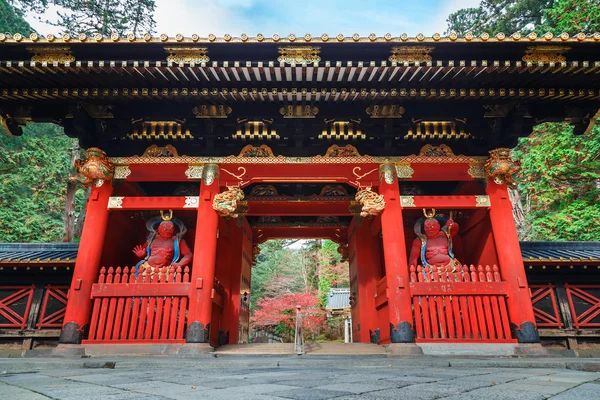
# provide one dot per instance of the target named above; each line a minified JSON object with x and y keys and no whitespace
{"x":273,"y":378}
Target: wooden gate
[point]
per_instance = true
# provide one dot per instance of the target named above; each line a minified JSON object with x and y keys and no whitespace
{"x":144,"y":309}
{"x":466,"y":305}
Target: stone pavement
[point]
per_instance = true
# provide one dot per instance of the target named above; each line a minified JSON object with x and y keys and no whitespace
{"x":254,"y":377}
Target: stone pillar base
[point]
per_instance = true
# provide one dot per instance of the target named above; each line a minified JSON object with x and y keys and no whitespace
{"x":195,"y":349}
{"x":403,"y":349}
{"x":531,"y":350}
{"x":68,"y":351}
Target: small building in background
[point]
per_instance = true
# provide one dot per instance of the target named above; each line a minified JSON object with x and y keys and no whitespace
{"x":338,"y":302}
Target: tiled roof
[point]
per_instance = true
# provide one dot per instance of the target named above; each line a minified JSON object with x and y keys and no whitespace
{"x":338,"y":298}
{"x":560,"y":252}
{"x":34,"y":253}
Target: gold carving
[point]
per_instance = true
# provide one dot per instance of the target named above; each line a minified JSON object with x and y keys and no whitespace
{"x":342,"y":130}
{"x":386,"y":111}
{"x":191,"y":202}
{"x":196,"y":55}
{"x":437,"y":130}
{"x":256,"y":151}
{"x":348,"y":150}
{"x":404,"y":170}
{"x":210,"y":174}
{"x":115,"y":202}
{"x":122,"y":172}
{"x":160,"y":130}
{"x":482,"y":201}
{"x":371,"y":202}
{"x":502,"y":168}
{"x":95,"y":169}
{"x":411,"y":54}
{"x":477,"y":170}
{"x":255,"y":130}
{"x":264,"y":190}
{"x":436,"y":151}
{"x":407,"y":201}
{"x":205,"y":111}
{"x":156,"y":151}
{"x":51,"y":54}
{"x":387,"y":172}
{"x":546,"y":54}
{"x":230,"y":203}
{"x":333,"y":190}
{"x":194,"y":171}
{"x":299,"y":55}
{"x":298,"y":111}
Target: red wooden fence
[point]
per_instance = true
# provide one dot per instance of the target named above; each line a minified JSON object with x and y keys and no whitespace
{"x":54,"y":306}
{"x":465,"y":305}
{"x":545,"y":306}
{"x":150,"y":308}
{"x":15,"y":304}
{"x":584,"y":302}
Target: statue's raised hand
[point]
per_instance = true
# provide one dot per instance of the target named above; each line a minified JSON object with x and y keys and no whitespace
{"x":139,"y":251}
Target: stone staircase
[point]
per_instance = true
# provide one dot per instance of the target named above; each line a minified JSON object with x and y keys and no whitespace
{"x":311,"y":348}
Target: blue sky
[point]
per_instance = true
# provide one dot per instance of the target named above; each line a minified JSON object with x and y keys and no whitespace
{"x":301,"y":16}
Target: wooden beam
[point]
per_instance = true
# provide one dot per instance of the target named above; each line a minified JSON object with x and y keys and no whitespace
{"x":454,"y":202}
{"x":292,"y":207}
{"x":153,"y":202}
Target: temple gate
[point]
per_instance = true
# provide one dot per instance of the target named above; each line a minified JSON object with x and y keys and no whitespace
{"x":194,"y":158}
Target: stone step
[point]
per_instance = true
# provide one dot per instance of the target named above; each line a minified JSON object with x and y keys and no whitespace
{"x":310,"y":348}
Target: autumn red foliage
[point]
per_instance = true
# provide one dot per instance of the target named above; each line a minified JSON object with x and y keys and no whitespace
{"x":281,"y":310}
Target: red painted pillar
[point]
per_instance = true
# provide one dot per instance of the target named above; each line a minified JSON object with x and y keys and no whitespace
{"x":520,"y":309}
{"x":203,"y":264}
{"x":87,"y":265}
{"x":231,"y":307}
{"x":396,"y":260}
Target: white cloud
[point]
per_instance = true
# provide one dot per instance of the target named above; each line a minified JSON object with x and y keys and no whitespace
{"x":438,"y":22}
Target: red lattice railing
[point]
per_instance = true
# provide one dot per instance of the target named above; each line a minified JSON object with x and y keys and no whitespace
{"x":15,"y":304}
{"x":53,"y":308}
{"x":462,"y":305}
{"x":543,"y":299}
{"x":584,"y":302}
{"x":145,"y":309}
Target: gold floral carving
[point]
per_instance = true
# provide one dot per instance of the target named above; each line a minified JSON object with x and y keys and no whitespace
{"x":210,"y":174}
{"x":191,"y":202}
{"x":387,"y":172}
{"x":386,"y":111}
{"x":255,"y":130}
{"x":407,"y":201}
{"x":546,"y":54}
{"x":436,"y":151}
{"x":122,"y":172}
{"x":299,"y":54}
{"x":502,"y":168}
{"x":298,"y":111}
{"x":482,"y":201}
{"x":411,"y":54}
{"x":348,"y":150}
{"x":437,"y":130}
{"x":256,"y":151}
{"x":229,"y":202}
{"x":115,"y":202}
{"x":156,"y":151}
{"x":477,"y":170}
{"x":404,"y":170}
{"x":196,"y":55}
{"x":205,"y":111}
{"x":95,"y":169}
{"x":194,"y":171}
{"x":371,"y":202}
{"x":51,"y":54}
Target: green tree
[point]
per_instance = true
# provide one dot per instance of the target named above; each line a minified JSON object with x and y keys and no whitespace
{"x":34,"y":169}
{"x":93,"y":16}
{"x":572,"y":17}
{"x":332,"y":271}
{"x":12,"y":21}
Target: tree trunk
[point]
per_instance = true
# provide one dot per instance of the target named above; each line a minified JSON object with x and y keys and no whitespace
{"x":518,"y":212}
{"x":69,"y":217}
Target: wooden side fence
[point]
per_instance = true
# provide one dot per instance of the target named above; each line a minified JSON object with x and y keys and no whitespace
{"x":149,"y":308}
{"x":464,"y":305}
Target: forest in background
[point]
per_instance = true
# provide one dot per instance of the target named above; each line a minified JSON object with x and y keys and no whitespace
{"x":557,"y":197}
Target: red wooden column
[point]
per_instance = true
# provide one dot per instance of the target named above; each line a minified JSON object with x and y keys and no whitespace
{"x":396,"y":260}
{"x":365,"y":262}
{"x":520,"y":309}
{"x":87,"y":265}
{"x":203,"y":264}
{"x":231,"y":308}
